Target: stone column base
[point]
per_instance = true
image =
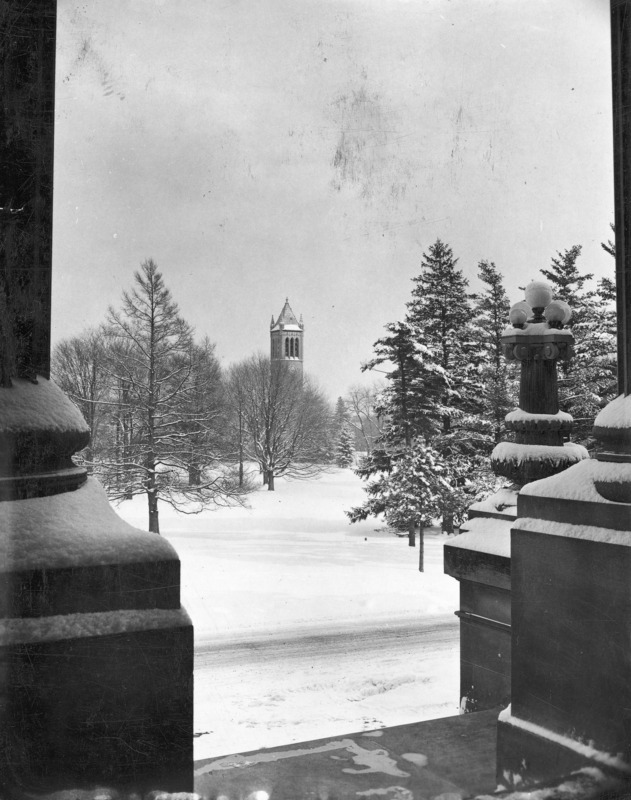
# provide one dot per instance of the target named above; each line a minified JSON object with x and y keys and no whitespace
{"x":96,"y":652}
{"x":113,"y":708}
{"x":528,"y":755}
{"x":571,"y":626}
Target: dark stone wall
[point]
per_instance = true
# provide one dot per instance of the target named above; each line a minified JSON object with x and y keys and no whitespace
{"x":572,"y":638}
{"x":114,"y":709}
{"x":27,"y":61}
{"x":86,"y":589}
{"x":485,"y":626}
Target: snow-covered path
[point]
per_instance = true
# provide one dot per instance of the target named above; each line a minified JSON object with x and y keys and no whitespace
{"x":306,"y":626}
{"x":323,"y":684}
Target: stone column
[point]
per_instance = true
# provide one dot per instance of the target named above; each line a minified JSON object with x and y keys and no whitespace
{"x":538,"y":341}
{"x":571,"y":556}
{"x":480,"y":557}
{"x":96,"y":652}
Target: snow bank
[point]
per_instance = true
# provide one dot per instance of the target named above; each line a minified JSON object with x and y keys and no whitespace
{"x":288,"y":600}
{"x":585,"y":750}
{"x":485,"y":535}
{"x":81,"y":626}
{"x":38,"y":406}
{"x":577,"y":482}
{"x":616,"y":414}
{"x":587,"y":783}
{"x":518,"y":453}
{"x":70,"y":529}
{"x":293,"y":559}
{"x":589,"y":532}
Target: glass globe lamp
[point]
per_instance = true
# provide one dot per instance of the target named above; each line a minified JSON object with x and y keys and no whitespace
{"x":558,"y":313}
{"x":538,"y":294}
{"x":518,"y":316}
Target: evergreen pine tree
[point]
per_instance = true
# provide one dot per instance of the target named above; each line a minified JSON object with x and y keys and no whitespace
{"x":568,"y":283}
{"x":417,"y":490}
{"x":610,"y":246}
{"x":441,"y":311}
{"x":491,"y":317}
{"x":586,"y":381}
{"x":344,"y":450}
{"x":410,"y":402}
{"x":340,"y":417}
{"x":412,"y":399}
{"x":433,"y":396}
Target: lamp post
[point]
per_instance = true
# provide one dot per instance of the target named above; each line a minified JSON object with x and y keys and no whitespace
{"x":480,"y":559}
{"x":538,"y":340}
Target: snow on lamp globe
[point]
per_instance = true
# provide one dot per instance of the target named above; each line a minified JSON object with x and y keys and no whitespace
{"x":541,"y":430}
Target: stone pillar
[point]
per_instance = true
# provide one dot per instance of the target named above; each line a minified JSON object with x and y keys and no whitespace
{"x":480,"y":557}
{"x":571,"y":636}
{"x":571,"y":556}
{"x":537,"y":340}
{"x":96,"y":652}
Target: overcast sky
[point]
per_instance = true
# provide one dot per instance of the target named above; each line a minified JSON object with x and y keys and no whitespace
{"x":314,"y":149}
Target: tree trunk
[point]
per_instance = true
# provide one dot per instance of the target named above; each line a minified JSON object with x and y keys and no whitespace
{"x":194,"y":475}
{"x":270,"y":480}
{"x":240,"y":449}
{"x":127,"y":422}
{"x":412,"y":534}
{"x":447,"y":525}
{"x":154,"y":525}
{"x":152,"y":494}
{"x":264,"y":471}
{"x":421,"y":550}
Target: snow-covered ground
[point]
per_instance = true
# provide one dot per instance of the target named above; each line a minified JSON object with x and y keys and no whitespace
{"x":307,"y":626}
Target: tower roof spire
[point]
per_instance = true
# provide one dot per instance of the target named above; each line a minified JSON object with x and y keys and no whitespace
{"x":287,"y":319}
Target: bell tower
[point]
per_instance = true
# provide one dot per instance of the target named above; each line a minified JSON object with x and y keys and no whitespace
{"x":287,"y":338}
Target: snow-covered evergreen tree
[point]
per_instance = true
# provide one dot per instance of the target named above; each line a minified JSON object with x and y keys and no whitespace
{"x":587,"y":381}
{"x":412,"y":399}
{"x":490,"y":319}
{"x":344,"y":450}
{"x":410,"y":489}
{"x":610,"y":245}
{"x":417,"y":490}
{"x":340,"y":415}
{"x":441,"y":310}
{"x":411,"y":404}
{"x":434,"y":392}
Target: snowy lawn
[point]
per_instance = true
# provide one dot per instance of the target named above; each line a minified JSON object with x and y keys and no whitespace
{"x":307,"y":626}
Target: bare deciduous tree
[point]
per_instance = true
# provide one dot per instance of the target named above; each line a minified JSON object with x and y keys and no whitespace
{"x":78,"y":367}
{"x":286,"y":418}
{"x":361,"y":403}
{"x":164,"y":382}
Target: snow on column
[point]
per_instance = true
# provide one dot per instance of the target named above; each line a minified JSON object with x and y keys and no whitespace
{"x":571,"y":555}
{"x":537,"y":340}
{"x":96,"y":653}
{"x":480,"y":558}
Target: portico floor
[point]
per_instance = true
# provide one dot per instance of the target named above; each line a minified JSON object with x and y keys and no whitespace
{"x":446,"y":759}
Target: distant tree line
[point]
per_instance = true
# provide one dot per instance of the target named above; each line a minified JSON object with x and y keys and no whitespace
{"x":168,"y":423}
{"x":448,"y":387}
